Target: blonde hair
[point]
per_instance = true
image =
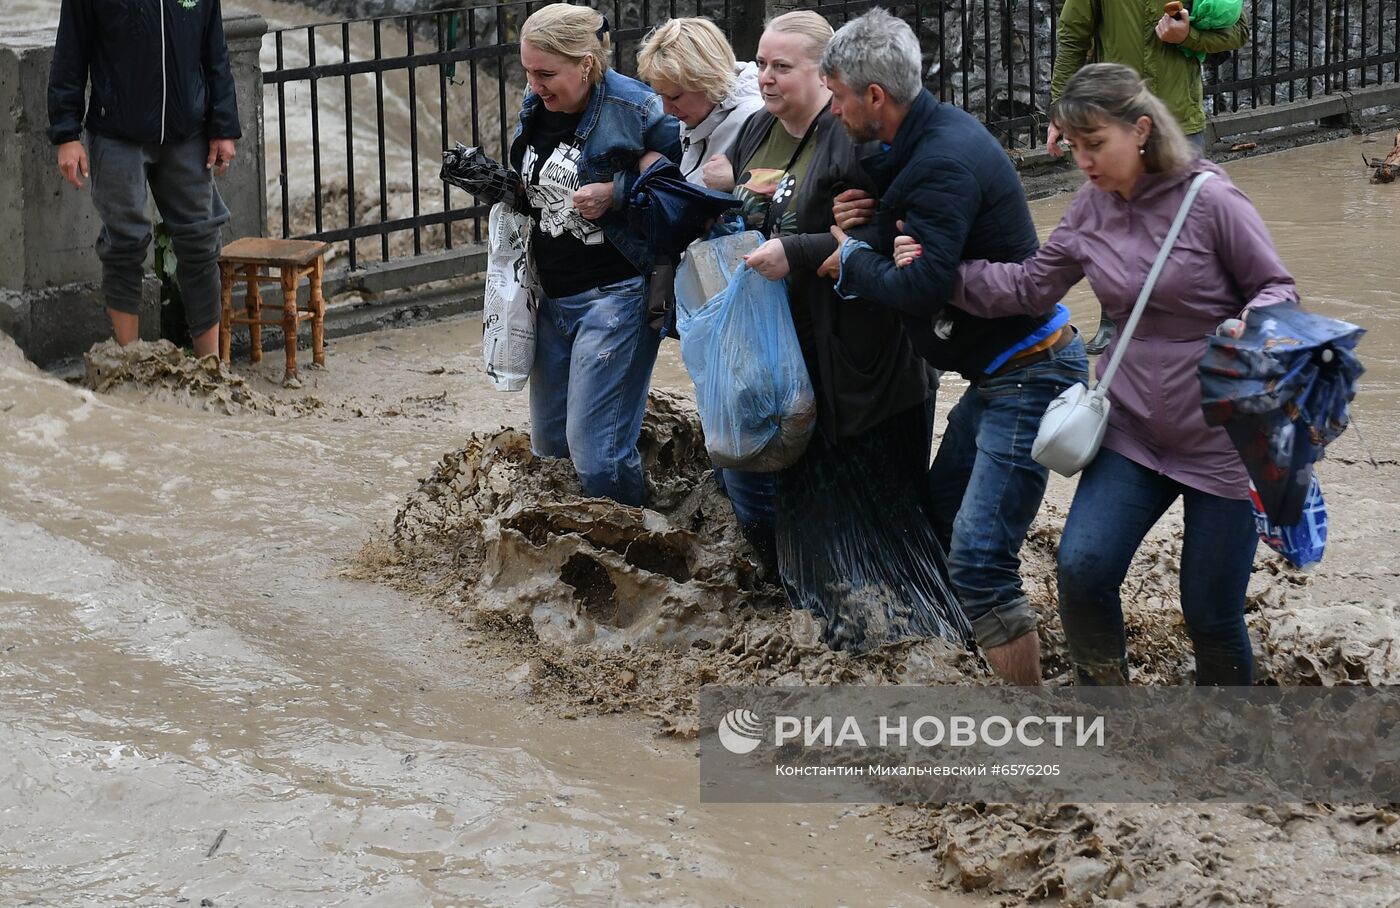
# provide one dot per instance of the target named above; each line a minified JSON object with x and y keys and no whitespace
{"x":1103,"y":93}
{"x":807,"y":24}
{"x":573,"y":32}
{"x":690,"y":53}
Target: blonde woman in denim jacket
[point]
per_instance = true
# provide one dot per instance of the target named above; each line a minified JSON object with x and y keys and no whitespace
{"x":585,"y":134}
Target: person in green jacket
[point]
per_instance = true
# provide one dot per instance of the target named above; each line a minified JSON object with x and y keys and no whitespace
{"x":1138,"y":33}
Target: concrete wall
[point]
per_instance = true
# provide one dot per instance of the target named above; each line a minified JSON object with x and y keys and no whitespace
{"x":50,"y":298}
{"x":244,"y":186}
{"x":46,"y":226}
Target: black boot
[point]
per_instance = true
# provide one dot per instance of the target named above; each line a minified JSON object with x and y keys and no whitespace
{"x":1101,"y":674}
{"x":1103,"y":337}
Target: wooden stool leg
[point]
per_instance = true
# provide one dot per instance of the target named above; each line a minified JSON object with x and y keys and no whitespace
{"x":252,"y":304}
{"x":289,"y":318}
{"x":318,"y":314}
{"x":225,"y":312}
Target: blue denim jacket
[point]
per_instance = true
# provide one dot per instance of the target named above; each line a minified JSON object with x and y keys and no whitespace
{"x":624,"y":120}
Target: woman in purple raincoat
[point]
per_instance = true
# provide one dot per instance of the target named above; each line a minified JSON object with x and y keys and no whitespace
{"x":1158,"y":447}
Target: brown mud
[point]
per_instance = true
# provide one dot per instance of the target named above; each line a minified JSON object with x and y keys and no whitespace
{"x":550,"y":581}
{"x":542,"y":572}
{"x":540,"y":580}
{"x":180,"y":655}
{"x":161,"y":371}
{"x":612,"y":608}
{"x":615,"y":607}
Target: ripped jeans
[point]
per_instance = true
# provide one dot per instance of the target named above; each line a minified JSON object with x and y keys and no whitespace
{"x":588,"y":387}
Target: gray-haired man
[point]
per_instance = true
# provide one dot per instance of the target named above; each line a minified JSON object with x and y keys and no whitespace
{"x":945,"y":181}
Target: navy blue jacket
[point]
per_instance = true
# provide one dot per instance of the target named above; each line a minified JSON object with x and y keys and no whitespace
{"x":957,"y":193}
{"x":158,"y":68}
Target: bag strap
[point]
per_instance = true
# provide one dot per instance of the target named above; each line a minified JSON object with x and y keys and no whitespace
{"x":1152,"y":276}
{"x":787,"y":168}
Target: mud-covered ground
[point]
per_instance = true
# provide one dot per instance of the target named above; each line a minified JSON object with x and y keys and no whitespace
{"x":612,"y":608}
{"x":587,"y":607}
{"x":590,"y":607}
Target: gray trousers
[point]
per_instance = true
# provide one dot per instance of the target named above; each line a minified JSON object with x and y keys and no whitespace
{"x":189,"y":204}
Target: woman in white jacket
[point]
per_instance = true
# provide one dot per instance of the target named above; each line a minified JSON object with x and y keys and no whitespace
{"x":691,"y":66}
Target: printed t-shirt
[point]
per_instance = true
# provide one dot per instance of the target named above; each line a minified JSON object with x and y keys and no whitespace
{"x":571,"y":254}
{"x":767,"y":190}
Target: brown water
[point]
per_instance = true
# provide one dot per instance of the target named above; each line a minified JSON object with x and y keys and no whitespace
{"x":178,"y":659}
{"x":178,"y":656}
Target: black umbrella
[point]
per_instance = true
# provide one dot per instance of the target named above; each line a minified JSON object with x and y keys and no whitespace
{"x":473,"y":170}
{"x":1282,"y":390}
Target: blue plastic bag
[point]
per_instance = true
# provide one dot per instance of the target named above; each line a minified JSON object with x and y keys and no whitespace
{"x":739,"y":345}
{"x":1301,"y":544}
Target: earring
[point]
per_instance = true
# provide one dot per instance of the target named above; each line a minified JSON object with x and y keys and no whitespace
{"x":1142,"y":149}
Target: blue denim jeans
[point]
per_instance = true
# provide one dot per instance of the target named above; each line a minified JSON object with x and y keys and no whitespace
{"x":1116,"y":503}
{"x":588,"y":387}
{"x":751,"y":496}
{"x":986,"y":489}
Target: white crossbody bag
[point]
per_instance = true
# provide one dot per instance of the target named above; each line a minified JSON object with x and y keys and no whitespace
{"x":1074,"y":424}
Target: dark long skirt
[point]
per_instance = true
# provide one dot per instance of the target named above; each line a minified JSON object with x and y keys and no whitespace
{"x":855,"y":542}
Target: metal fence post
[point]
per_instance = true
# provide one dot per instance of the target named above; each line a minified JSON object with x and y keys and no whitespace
{"x":748,"y":19}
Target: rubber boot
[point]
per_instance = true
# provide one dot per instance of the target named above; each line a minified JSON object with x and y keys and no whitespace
{"x":1101,"y":674}
{"x":1103,"y":337}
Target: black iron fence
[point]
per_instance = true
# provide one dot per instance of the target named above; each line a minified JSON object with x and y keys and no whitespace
{"x":1305,"y":48}
{"x":995,"y":57}
{"x":359,"y":111}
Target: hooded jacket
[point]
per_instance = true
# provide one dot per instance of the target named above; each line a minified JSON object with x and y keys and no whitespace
{"x":158,"y":70}
{"x":1223,"y":260}
{"x":717,"y":132}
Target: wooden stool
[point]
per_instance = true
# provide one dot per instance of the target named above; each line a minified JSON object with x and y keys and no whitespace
{"x":244,"y":259}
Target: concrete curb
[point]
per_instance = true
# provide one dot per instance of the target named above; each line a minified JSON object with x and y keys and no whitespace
{"x":342,"y":320}
{"x":401,"y":310}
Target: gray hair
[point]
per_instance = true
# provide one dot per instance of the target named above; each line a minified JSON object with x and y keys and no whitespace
{"x":876,"y":49}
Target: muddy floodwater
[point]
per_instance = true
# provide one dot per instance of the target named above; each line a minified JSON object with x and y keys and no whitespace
{"x":198,"y":703}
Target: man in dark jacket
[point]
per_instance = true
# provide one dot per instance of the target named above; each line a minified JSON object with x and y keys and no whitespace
{"x":953,"y":188}
{"x":161,"y":112}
